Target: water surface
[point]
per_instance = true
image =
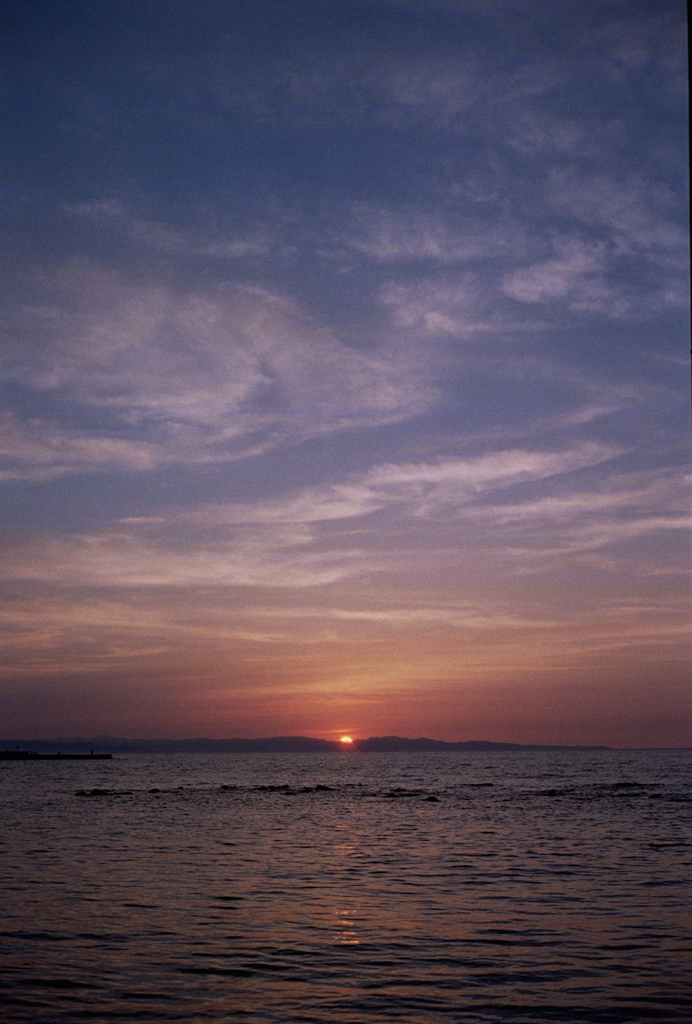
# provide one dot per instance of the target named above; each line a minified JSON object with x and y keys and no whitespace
{"x":348,"y":887}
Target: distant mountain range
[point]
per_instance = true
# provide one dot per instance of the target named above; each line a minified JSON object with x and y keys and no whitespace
{"x":270,"y":745}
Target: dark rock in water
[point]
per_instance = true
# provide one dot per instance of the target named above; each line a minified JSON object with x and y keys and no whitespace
{"x":433,"y":799}
{"x":103,"y":792}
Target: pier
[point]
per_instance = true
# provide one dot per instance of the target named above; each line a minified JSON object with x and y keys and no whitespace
{"x":33,"y":755}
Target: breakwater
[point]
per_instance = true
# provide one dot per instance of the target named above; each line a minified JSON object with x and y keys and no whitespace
{"x":33,"y":755}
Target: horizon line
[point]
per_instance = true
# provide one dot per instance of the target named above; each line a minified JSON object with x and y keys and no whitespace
{"x":390,"y":740}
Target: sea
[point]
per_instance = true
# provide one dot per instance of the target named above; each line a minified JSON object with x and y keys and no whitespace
{"x":350,"y":887}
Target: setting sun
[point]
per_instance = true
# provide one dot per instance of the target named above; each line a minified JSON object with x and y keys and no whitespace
{"x":346,"y":740}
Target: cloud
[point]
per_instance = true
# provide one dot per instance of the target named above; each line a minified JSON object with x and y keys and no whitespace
{"x":641,"y":216}
{"x":128,"y":559}
{"x":120,"y":222}
{"x":564,"y":275}
{"x":396,"y":235}
{"x":468,"y":476}
{"x":439,"y":89}
{"x":638,"y":269}
{"x":222,"y":576}
{"x":459,"y":309}
{"x":415,"y":486}
{"x":185,"y":377}
{"x":462,"y":616}
{"x":571,"y":521}
{"x":36,"y":451}
{"x":72,"y":633}
{"x":562,"y":517}
{"x":608,"y":532}
{"x":280,"y":543}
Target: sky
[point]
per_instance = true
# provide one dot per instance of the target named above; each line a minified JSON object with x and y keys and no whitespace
{"x":344,"y":372}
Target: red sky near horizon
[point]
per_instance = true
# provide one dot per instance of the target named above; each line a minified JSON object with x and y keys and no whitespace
{"x":344,"y":379}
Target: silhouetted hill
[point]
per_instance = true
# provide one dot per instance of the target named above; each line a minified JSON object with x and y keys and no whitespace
{"x":272,"y":744}
{"x":400,"y":743}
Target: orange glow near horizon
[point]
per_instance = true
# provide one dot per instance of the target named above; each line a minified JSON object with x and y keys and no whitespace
{"x":434,"y":485}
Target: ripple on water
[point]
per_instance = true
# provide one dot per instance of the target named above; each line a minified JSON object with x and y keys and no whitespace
{"x":420,"y":888}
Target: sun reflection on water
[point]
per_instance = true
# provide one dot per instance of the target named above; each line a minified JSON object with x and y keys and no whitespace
{"x":346,"y":934}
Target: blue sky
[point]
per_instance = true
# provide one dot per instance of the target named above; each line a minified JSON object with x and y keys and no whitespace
{"x":345,"y":369}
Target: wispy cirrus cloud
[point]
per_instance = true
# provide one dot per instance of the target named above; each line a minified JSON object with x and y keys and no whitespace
{"x":349,"y":339}
{"x":282,"y":543}
{"x":640,"y":216}
{"x":199,"y":376}
{"x":280,"y":557}
{"x":395,"y":236}
{"x":418,"y":487}
{"x":118,"y":221}
{"x":568,"y":274}
{"x":40,"y":451}
{"x":613,"y":515}
{"x":443,"y":308}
